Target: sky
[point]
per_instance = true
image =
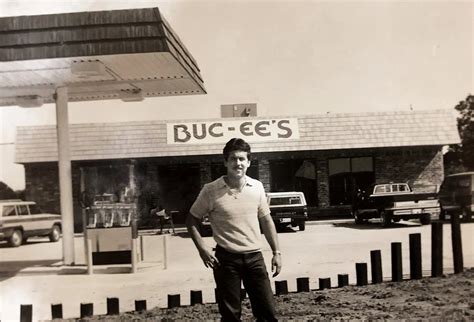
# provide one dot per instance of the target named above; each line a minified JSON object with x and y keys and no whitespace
{"x":291,"y":57}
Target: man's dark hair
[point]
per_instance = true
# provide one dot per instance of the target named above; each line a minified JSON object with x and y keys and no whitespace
{"x":236,"y":144}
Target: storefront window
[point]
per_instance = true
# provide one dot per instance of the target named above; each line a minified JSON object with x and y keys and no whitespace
{"x":346,"y":176}
{"x":179,"y":187}
{"x":295,"y":175}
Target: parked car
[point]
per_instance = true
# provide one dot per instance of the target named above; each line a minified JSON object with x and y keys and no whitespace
{"x":22,"y":219}
{"x":456,"y":195}
{"x":205,"y":227}
{"x":288,"y":208}
{"x":394,"y":202}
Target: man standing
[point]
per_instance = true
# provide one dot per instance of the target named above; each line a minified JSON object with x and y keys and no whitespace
{"x":237,"y":207}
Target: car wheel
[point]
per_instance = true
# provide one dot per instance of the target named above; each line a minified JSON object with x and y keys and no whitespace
{"x":302,"y":226}
{"x":358,"y":220}
{"x":442,"y":215}
{"x":16,"y":238}
{"x":466,"y":215}
{"x":385,"y":218}
{"x":425,"y":219}
{"x":54,"y":234}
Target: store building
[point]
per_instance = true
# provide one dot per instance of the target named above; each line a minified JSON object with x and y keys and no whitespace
{"x":328,"y":157}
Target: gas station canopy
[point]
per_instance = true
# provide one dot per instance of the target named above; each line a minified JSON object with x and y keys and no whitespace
{"x":120,"y":54}
{"x":89,"y":56}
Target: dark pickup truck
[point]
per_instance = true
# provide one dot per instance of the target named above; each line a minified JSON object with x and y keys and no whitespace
{"x":394,"y":202}
{"x":288,"y":208}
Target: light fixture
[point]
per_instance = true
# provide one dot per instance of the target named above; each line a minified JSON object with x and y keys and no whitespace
{"x":85,"y":69}
{"x":134,"y":95}
{"x":29,"y":101}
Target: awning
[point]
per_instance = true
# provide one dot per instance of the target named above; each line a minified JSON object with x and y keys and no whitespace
{"x":121,"y":54}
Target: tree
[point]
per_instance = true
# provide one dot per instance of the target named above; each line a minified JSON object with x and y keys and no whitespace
{"x":463,"y":154}
{"x":6,"y":192}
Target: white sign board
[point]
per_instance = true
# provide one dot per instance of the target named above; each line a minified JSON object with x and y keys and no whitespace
{"x":260,"y":130}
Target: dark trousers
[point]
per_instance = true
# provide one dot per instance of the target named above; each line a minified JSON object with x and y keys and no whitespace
{"x":249,"y":268}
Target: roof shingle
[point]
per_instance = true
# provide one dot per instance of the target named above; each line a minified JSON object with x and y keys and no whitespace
{"x":317,"y":132}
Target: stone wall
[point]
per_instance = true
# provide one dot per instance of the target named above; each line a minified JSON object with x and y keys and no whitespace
{"x":264,"y":173}
{"x":205,"y":173}
{"x":322,"y":178}
{"x":42,"y":186}
{"x":422,"y":168}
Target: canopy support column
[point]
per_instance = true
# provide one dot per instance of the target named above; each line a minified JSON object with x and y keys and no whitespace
{"x":65,"y":176}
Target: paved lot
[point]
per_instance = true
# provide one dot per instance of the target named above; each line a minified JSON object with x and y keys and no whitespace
{"x":32,"y":274}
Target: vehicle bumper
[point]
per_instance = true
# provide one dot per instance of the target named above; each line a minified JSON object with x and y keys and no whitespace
{"x":414,"y":211}
{"x":289,"y":220}
{"x":206,"y":226}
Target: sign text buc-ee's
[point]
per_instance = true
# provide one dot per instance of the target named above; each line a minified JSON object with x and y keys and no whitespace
{"x":250,"y":130}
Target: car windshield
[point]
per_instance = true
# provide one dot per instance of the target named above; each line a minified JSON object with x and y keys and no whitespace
{"x":383,"y":188}
{"x":8,"y":211}
{"x":34,"y":209}
{"x":279,"y":201}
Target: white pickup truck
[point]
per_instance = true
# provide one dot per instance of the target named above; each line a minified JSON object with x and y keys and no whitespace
{"x":288,"y":208}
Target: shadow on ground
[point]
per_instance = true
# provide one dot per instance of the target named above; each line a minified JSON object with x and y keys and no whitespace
{"x":13,"y":268}
{"x":376,"y":225}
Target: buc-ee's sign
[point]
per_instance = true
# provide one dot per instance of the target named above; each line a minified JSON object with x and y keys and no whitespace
{"x":222,"y":131}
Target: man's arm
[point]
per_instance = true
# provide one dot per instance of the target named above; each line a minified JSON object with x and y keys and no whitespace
{"x":268,"y":228}
{"x":192,"y":224}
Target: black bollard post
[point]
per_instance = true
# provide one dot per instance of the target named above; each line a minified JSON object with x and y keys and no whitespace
{"x":302,"y":284}
{"x":397,"y":270}
{"x":437,"y":249}
{"x":243,"y":294}
{"x":415,"y":256}
{"x":361,"y":274}
{"x":87,"y":310}
{"x":174,"y":300}
{"x":376,"y":266}
{"x":112,"y":306}
{"x":140,"y":305}
{"x":342,"y":280}
{"x":26,"y":313}
{"x":457,"y":243}
{"x":281,"y":287}
{"x":56,"y":311}
{"x":216,"y":294}
{"x":196,"y":297}
{"x":324,"y":283}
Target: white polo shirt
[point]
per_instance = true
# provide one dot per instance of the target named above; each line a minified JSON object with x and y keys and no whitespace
{"x":234,"y":217}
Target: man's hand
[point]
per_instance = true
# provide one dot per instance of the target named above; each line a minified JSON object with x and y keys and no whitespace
{"x":276,"y":264}
{"x":208,"y":257}
{"x":206,"y":253}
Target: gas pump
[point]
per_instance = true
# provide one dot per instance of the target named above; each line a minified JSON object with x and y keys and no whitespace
{"x":110,"y":230}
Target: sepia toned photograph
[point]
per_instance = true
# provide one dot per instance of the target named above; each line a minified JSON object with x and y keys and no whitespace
{"x":236,"y":160}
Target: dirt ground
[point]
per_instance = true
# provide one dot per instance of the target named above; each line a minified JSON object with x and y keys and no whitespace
{"x":450,"y":297}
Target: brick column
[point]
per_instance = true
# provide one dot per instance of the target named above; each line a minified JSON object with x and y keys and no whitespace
{"x":204,"y":173}
{"x":152,"y":175}
{"x":264,"y":174}
{"x":132,"y":175}
{"x":323,"y":182}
